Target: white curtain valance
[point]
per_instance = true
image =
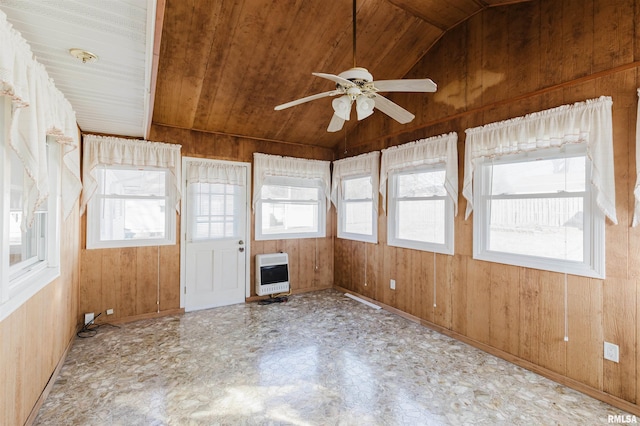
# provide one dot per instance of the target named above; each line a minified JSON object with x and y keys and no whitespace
{"x":636,"y":190}
{"x":364,"y":164}
{"x":39,"y":110}
{"x":208,"y":172}
{"x":265,"y":166}
{"x":440,"y":149}
{"x":111,"y":151}
{"x":588,"y":121}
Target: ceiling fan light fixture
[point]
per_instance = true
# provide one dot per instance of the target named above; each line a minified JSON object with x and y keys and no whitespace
{"x":364,"y":107}
{"x":342,"y":106}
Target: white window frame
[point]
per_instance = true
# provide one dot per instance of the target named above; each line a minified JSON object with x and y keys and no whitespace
{"x":19,"y":284}
{"x":392,"y":218}
{"x":94,"y":220}
{"x":320,"y":205}
{"x":342,"y":206}
{"x":593,"y":264}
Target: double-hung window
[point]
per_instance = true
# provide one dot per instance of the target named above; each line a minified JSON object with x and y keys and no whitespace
{"x":30,"y":251}
{"x":420,"y":211}
{"x":537,"y":211}
{"x":355,"y":194}
{"x":130,"y":208}
{"x":422,"y":193}
{"x":290,"y":197}
{"x":540,"y":187}
{"x":130,"y":191}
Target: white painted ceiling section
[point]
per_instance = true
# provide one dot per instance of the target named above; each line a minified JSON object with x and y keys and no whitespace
{"x":111,"y":95}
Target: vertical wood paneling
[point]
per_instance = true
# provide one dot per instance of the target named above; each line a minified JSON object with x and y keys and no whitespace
{"x":620,"y":323}
{"x":529,"y":314}
{"x":478,"y":300}
{"x":505,"y":308}
{"x":445,"y":267}
{"x":551,"y":345}
{"x":584,"y":361}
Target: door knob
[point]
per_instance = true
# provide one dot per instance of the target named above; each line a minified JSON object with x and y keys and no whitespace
{"x":241,"y":242}
{"x":241,"y":249}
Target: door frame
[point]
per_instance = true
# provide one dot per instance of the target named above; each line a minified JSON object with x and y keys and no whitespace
{"x":183,"y":225}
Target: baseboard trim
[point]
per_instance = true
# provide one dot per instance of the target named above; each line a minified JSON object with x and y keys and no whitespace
{"x":551,"y":375}
{"x":132,"y":318}
{"x":47,"y":389}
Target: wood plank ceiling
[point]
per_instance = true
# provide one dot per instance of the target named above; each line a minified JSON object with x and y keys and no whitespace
{"x":225,"y":65}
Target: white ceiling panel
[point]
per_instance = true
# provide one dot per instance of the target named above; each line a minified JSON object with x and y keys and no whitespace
{"x":110,"y":95}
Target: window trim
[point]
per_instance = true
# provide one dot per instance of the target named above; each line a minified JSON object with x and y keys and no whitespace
{"x":341,"y":233}
{"x":93,"y":215}
{"x":448,"y":247}
{"x":593,"y":264}
{"x":298,"y":183}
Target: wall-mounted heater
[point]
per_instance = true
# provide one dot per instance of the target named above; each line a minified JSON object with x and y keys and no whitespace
{"x":272,"y":273}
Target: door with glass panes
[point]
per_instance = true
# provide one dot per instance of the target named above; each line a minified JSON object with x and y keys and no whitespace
{"x":215,"y":237}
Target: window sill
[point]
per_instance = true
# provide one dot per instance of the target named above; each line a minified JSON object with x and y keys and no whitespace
{"x":26,"y":287}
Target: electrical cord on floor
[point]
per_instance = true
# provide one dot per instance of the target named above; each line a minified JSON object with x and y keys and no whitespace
{"x":90,"y":329}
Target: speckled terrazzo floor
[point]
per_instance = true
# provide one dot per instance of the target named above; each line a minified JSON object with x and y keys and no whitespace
{"x":320,"y":359}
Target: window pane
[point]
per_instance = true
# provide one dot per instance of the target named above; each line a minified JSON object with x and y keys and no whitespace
{"x":289,"y":218}
{"x":358,"y":217}
{"x":422,"y":220}
{"x":544,"y":227}
{"x":131,"y":219}
{"x":25,"y":246}
{"x":133,"y":182}
{"x":357,"y":189}
{"x":214,"y":211}
{"x":278,"y":192}
{"x":423,"y":184}
{"x":542,"y":176}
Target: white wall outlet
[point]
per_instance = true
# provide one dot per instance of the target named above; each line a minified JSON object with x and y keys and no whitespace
{"x":392,"y":284}
{"x":88,"y":318}
{"x":109,"y":311}
{"x":611,"y":352}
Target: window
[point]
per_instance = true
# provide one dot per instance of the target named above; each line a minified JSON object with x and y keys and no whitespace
{"x":537,"y":211}
{"x":214,"y":208}
{"x":30,"y":254}
{"x":354,"y":192}
{"x":420,"y":211}
{"x":422,"y":194}
{"x":288,"y":210}
{"x":131,"y":207}
{"x":356,"y":213}
{"x":290,"y":197}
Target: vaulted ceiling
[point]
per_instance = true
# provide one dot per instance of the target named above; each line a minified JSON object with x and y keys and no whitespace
{"x":225,"y":65}
{"x":222,"y":66}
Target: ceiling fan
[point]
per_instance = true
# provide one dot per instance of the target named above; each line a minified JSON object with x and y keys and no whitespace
{"x":357,"y":85}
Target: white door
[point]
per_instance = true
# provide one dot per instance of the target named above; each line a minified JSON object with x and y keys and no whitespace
{"x":215,"y":234}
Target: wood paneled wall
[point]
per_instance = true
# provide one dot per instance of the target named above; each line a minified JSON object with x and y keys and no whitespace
{"x":145,"y":281}
{"x":34,"y":337}
{"x":506,"y":62}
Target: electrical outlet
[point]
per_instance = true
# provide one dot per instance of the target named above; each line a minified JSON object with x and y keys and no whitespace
{"x":611,"y":352}
{"x":109,"y":311}
{"x":392,"y":284}
{"x":88,"y":318}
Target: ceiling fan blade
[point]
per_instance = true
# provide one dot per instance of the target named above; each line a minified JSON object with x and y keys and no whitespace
{"x":307,"y":99}
{"x":334,"y":78}
{"x":393,"y":110}
{"x":406,"y":85}
{"x":335,"y":124}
